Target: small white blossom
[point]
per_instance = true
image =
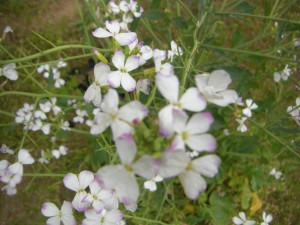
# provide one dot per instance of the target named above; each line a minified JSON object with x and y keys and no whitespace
{"x":62,"y":150}
{"x":242,"y":127}
{"x":283,"y":75}
{"x":5,"y":149}
{"x":250,"y":105}
{"x":9,"y":71}
{"x":80,"y":116}
{"x":266,"y":219}
{"x":43,"y":159}
{"x":241,"y":220}
{"x":151,"y":184}
{"x":276,"y":174}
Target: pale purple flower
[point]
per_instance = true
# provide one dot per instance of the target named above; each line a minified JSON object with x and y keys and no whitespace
{"x":65,"y":215}
{"x":93,"y":93}
{"x":113,"y":30}
{"x":214,"y":87}
{"x":105,"y":217}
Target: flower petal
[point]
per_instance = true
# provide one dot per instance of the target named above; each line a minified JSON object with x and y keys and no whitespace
{"x":101,"y":71}
{"x":207,"y":165}
{"x":199,"y":123}
{"x":168,"y":87}
{"x":127,"y":82}
{"x":173,"y":163}
{"x":85,"y":178}
{"x":114,"y":78}
{"x":113,"y":27}
{"x":202,"y":142}
{"x":101,"y":33}
{"x":118,"y":59}
{"x":219,"y":79}
{"x":110,"y":102}
{"x":126,"y":148}
{"x":125,"y":38}
{"x":192,"y":100}
{"x":49,"y":209}
{"x":132,"y":63}
{"x":192,"y":184}
{"x":90,"y":93}
{"x":133,"y":112}
{"x":71,"y":182}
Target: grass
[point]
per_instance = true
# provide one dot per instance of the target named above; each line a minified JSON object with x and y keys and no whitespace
{"x":238,"y":36}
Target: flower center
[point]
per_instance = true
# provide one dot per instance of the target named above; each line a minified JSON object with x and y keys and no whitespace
{"x":123,"y":70}
{"x":128,"y":168}
{"x":97,"y":83}
{"x":189,"y":167}
{"x":184,"y":135}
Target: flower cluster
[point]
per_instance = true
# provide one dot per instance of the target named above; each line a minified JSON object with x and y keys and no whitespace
{"x":283,"y":75}
{"x":246,"y":113}
{"x":294,"y":111}
{"x":11,"y":174}
{"x":242,"y":220}
{"x":52,"y":73}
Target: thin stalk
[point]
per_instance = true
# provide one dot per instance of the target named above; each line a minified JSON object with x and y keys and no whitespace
{"x":246,"y":52}
{"x":257,"y":16}
{"x":39,"y":95}
{"x":43,"y":175}
{"x":49,"y":51}
{"x":188,"y":11}
{"x":275,"y":138}
{"x":145,"y":220}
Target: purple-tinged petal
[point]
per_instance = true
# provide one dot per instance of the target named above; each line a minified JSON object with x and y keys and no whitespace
{"x":199,"y":123}
{"x":192,"y":184}
{"x":125,"y":38}
{"x":110,"y":103}
{"x":119,"y":59}
{"x":114,"y":78}
{"x":113,"y":216}
{"x":132,"y":63}
{"x":127,"y":82}
{"x":168,"y":87}
{"x":126,"y":148}
{"x":192,"y":100}
{"x":119,"y":128}
{"x":207,"y":165}
{"x":85,"y":178}
{"x":101,"y":33}
{"x":71,"y":182}
{"x":53,"y":221}
{"x":78,"y":202}
{"x":133,"y":111}
{"x":202,"y":142}
{"x":49,"y":209}
{"x":113,"y":27}
{"x":219,"y":79}
{"x":179,"y":120}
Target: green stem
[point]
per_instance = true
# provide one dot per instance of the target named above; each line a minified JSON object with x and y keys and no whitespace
{"x":188,"y":11}
{"x":144,"y":219}
{"x":39,"y":95}
{"x":43,"y":175}
{"x":246,"y":52}
{"x":49,"y":51}
{"x":151,"y":97}
{"x":257,"y":16}
{"x":275,"y":138}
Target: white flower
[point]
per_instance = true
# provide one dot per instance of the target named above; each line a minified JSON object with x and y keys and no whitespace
{"x":9,"y":71}
{"x":43,"y":158}
{"x":143,"y":85}
{"x":80,"y":116}
{"x":151,"y":184}
{"x":121,"y":178}
{"x":241,"y":220}
{"x":121,"y":120}
{"x":242,"y":127}
{"x":93,"y":93}
{"x":24,"y":158}
{"x":294,"y":111}
{"x":122,"y":76}
{"x":5,"y":149}
{"x":214,"y":87}
{"x":191,"y":178}
{"x":193,"y":132}
{"x":38,"y":125}
{"x":113,"y":30}
{"x":79,"y":184}
{"x":65,"y":215}
{"x":61,"y":64}
{"x":62,"y":150}
{"x":162,"y":68}
{"x":191,"y":100}
{"x":65,"y":126}
{"x":58,"y":81}
{"x":276,"y":174}
{"x":7,"y":29}
{"x":175,"y":50}
{"x":112,"y":217}
{"x":250,"y":106}
{"x":266,"y":218}
{"x":284,"y":75}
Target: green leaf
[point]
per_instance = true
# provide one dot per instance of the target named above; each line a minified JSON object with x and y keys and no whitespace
{"x":154,"y":15}
{"x":179,"y":22}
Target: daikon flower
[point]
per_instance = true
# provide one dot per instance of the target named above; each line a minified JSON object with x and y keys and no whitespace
{"x":151,"y":184}
{"x":294,"y":111}
{"x":250,"y":106}
{"x":121,"y":120}
{"x":214,"y":87}
{"x":191,"y":178}
{"x":242,"y":127}
{"x":175,"y":50}
{"x":93,"y":93}
{"x":241,"y":220}
{"x":65,"y":215}
{"x":191,"y":100}
{"x":79,"y":184}
{"x":276,"y":174}
{"x":105,"y":217}
{"x":283,"y":75}
{"x":5,"y":149}
{"x":143,"y":85}
{"x":9,"y":71}
{"x":80,"y":116}
{"x":193,"y":132}
{"x":113,"y":30}
{"x":122,"y":76}
{"x":62,"y":150}
{"x":24,"y":158}
{"x":266,"y":219}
